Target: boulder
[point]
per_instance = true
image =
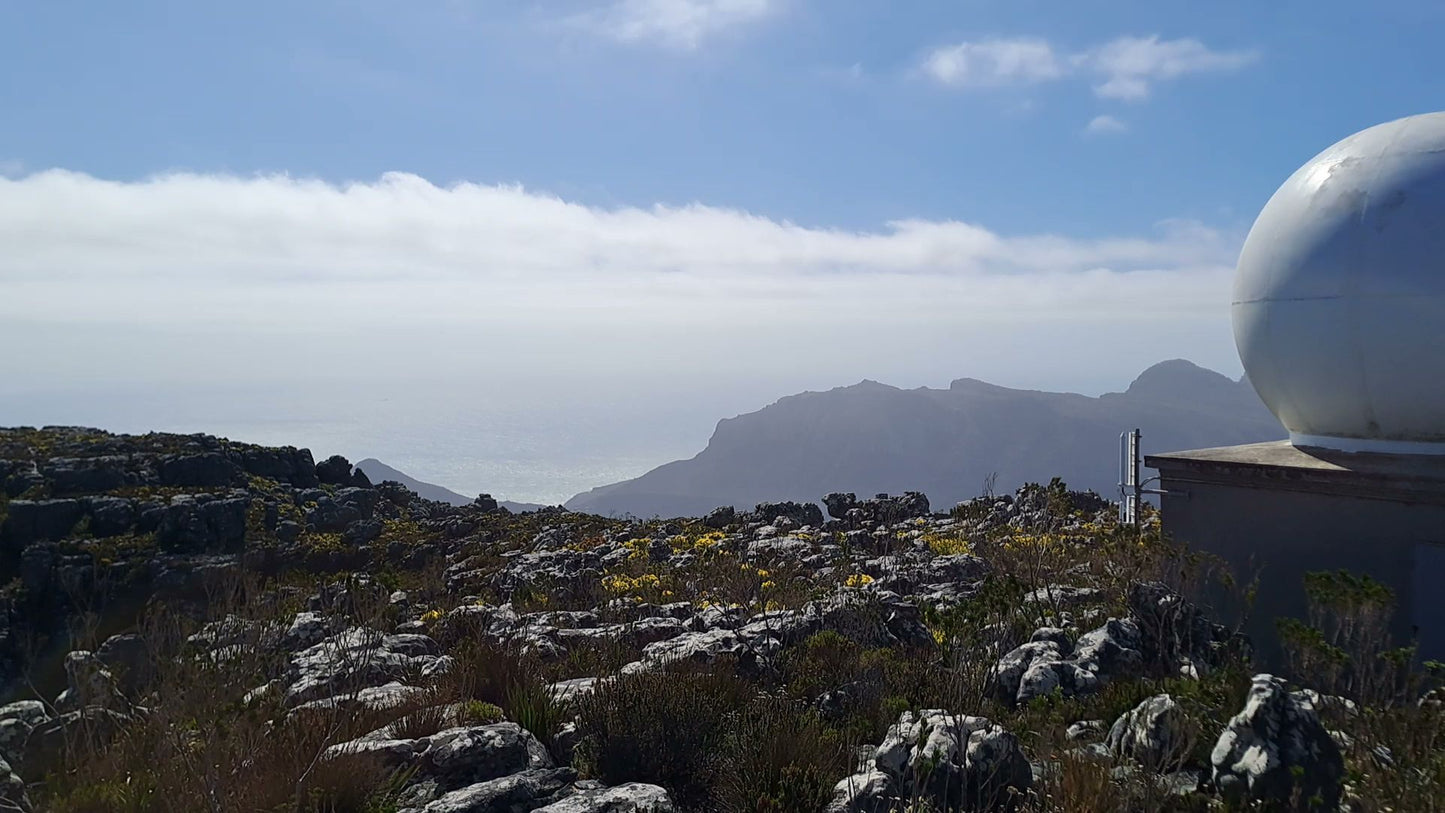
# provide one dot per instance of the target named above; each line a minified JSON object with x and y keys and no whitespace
{"x":1276,"y":748}
{"x":357,"y":659}
{"x":518,"y":793}
{"x":633,"y":797}
{"x":12,"y":789}
{"x":128,"y":658}
{"x":1157,"y":734}
{"x":944,"y":758}
{"x":89,"y":684}
{"x":334,"y":470}
{"x":467,"y":755}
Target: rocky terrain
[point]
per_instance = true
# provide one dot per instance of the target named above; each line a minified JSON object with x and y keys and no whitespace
{"x":871,"y":438}
{"x":198,"y":624}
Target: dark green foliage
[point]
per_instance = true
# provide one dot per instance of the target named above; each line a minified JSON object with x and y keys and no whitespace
{"x":778,"y":756}
{"x":665,"y":728}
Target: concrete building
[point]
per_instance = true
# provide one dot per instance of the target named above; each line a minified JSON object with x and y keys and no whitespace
{"x":1339,"y":319}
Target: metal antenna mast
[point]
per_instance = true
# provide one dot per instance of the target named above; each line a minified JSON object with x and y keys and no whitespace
{"x":1131,"y":487}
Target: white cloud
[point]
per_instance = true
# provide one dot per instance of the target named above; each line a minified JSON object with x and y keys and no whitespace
{"x":994,"y":62}
{"x":1105,"y":125}
{"x":1126,"y":68}
{"x":185,"y":278}
{"x":680,"y":24}
{"x":1130,"y":65}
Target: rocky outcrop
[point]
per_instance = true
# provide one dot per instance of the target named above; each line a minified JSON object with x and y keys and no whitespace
{"x":1276,"y":750}
{"x":1157,"y":734}
{"x":948,"y":761}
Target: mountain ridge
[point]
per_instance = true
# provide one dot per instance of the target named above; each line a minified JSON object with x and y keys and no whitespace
{"x":381,"y":472}
{"x":872,"y":437}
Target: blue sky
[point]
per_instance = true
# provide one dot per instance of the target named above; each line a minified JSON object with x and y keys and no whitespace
{"x":626,"y":219}
{"x":763,"y":111}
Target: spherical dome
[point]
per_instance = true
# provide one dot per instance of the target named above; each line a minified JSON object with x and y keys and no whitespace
{"x":1339,"y":298}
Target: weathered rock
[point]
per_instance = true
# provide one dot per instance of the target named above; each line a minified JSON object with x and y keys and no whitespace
{"x":128,"y":658}
{"x":27,"y":521}
{"x":16,"y":721}
{"x":1157,"y":734}
{"x":86,"y":730}
{"x":85,"y":475}
{"x":89,"y":683}
{"x":633,"y":797}
{"x":869,"y":791}
{"x":799,"y":513}
{"x":1276,"y":747}
{"x":334,"y":470}
{"x":519,"y":793}
{"x":211,"y":470}
{"x":110,"y":516}
{"x":946,"y":757}
{"x":12,"y":789}
{"x":470,"y":754}
{"x":356,"y":659}
{"x":200,"y":523}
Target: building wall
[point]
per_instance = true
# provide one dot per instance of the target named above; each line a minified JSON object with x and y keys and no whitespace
{"x":1281,"y":535}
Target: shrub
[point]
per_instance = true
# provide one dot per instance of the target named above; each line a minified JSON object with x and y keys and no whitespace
{"x":778,"y":756}
{"x":663,"y":728}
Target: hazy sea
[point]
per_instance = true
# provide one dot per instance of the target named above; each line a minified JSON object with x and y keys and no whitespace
{"x":526,"y":446}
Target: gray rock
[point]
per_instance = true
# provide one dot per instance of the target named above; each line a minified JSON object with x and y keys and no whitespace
{"x":470,"y":754}
{"x":371,"y":699}
{"x":28,"y":521}
{"x":946,"y":757}
{"x":89,"y":683}
{"x":128,"y":658}
{"x":869,"y":791}
{"x":1008,"y":673}
{"x":633,"y":797}
{"x":1157,"y":734}
{"x":110,"y":516}
{"x":210,"y":470}
{"x":12,"y":789}
{"x":88,"y":728}
{"x":519,"y":793}
{"x":356,"y":659}
{"x":85,"y":475}
{"x":1275,"y":737}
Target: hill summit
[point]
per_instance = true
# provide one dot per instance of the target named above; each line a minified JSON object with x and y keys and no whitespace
{"x":949,"y":443}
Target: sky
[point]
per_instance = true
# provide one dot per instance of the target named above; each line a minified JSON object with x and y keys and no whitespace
{"x":534,"y":247}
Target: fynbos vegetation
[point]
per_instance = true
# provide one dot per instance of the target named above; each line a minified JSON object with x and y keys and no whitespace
{"x":198,"y":625}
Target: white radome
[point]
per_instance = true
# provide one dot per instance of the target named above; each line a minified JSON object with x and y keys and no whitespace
{"x":1339,"y":297}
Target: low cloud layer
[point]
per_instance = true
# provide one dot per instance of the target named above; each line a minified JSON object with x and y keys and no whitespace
{"x":533,"y":276}
{"x":1125,"y":68}
{"x":505,"y":330}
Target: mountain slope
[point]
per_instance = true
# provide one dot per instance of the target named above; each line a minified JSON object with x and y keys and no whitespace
{"x":378,"y":471}
{"x":871,"y":438}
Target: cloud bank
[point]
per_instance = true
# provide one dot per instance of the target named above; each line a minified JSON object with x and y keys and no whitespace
{"x":184,"y":276}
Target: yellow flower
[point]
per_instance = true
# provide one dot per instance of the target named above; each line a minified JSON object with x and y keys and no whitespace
{"x":431,"y":616}
{"x":859,"y":579}
{"x":768,"y":585}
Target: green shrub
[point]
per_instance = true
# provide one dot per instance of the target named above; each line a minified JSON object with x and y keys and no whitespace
{"x":662,"y":728}
{"x":778,"y":756}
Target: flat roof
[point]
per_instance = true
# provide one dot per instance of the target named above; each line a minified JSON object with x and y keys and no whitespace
{"x":1281,"y":465}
